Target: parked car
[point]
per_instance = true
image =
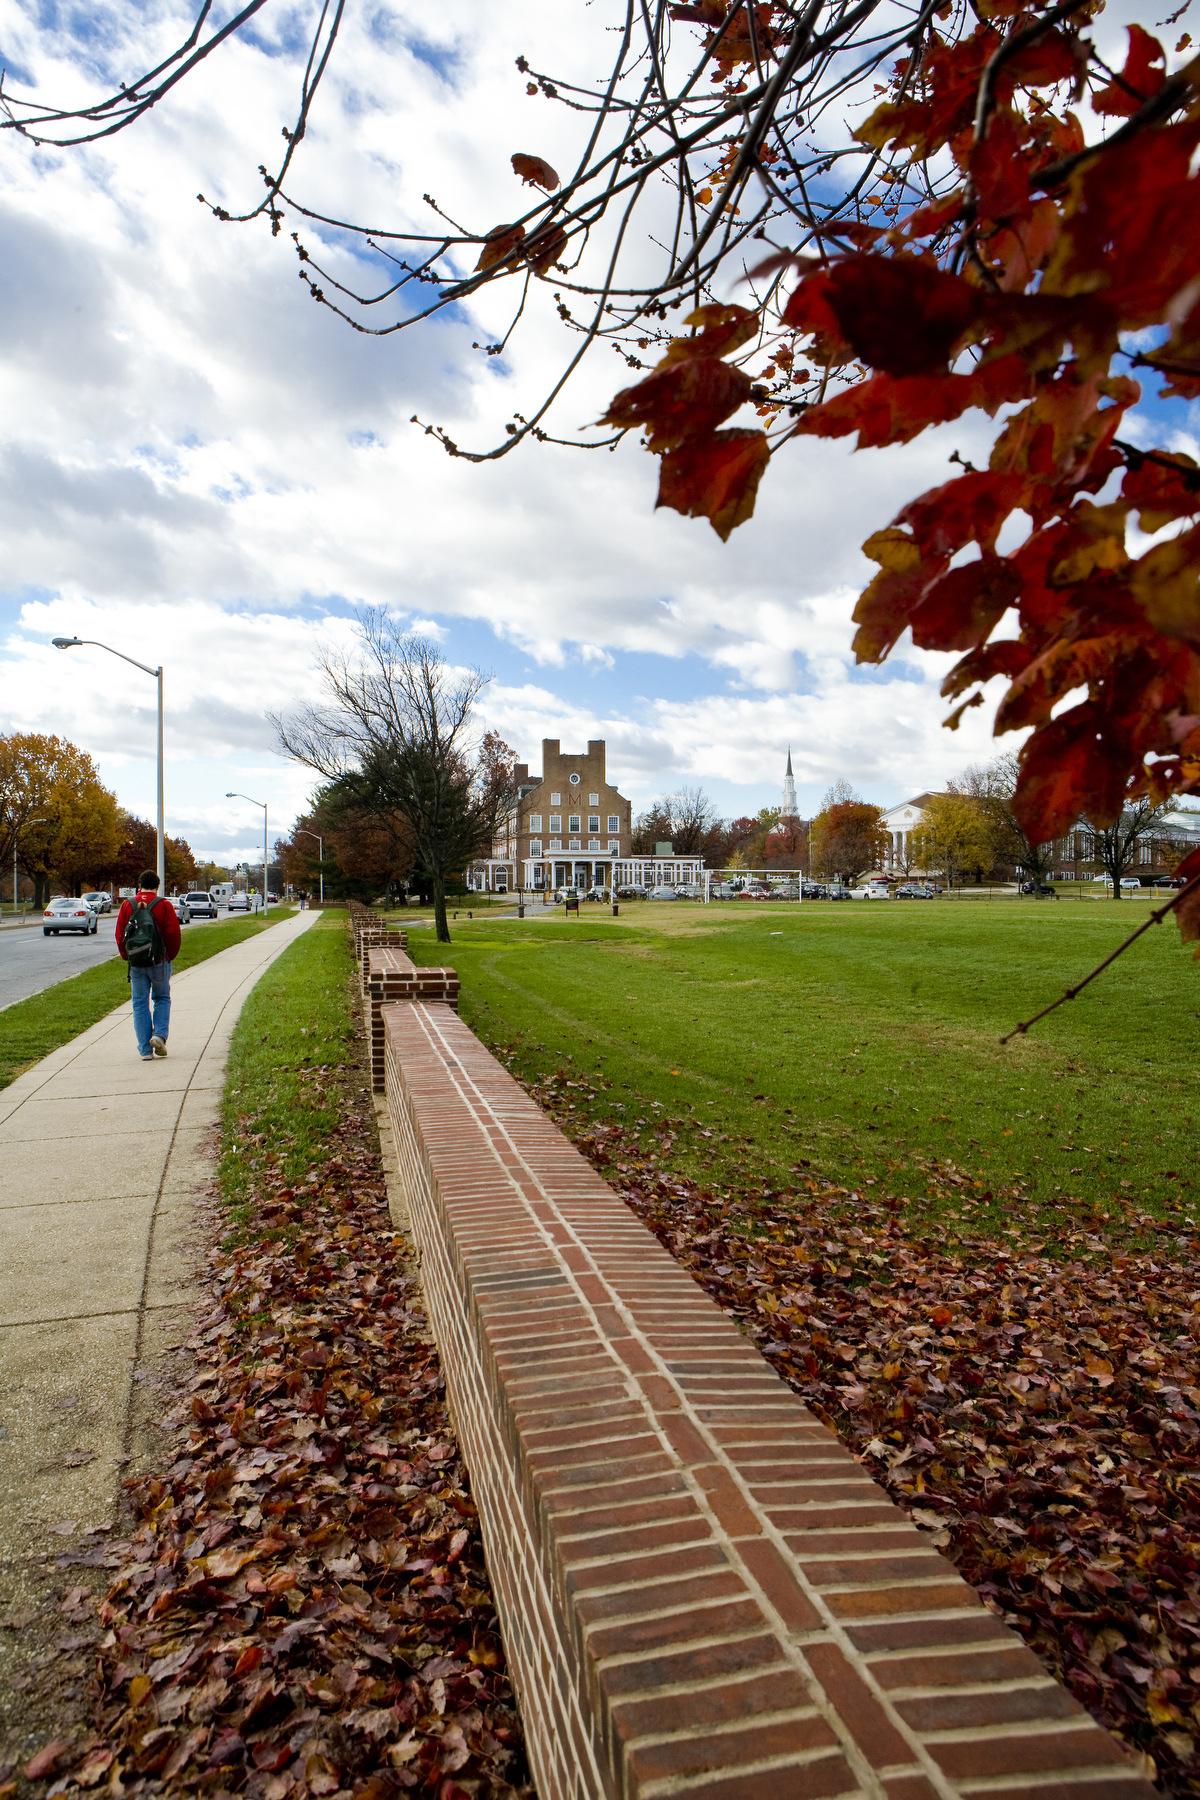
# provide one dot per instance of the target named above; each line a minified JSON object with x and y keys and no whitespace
{"x":1041,"y":890}
{"x":633,"y":890}
{"x":200,"y":904}
{"x":662,"y":893}
{"x":724,"y":890}
{"x":873,"y":890}
{"x":68,"y":914}
{"x":689,"y":891}
{"x":838,"y":893}
{"x":596,"y":893}
{"x":99,"y":901}
{"x":179,"y":902}
{"x":913,"y":890}
{"x":563,"y":894}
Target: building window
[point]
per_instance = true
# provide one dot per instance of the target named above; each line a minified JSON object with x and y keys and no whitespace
{"x":575,"y":779}
{"x":575,"y":844}
{"x":614,"y":822}
{"x":614,"y":847}
{"x":574,"y":824}
{"x":593,"y":843}
{"x":593,"y":799}
{"x":535,"y":846}
{"x":556,"y":821}
{"x":556,"y":843}
{"x":535,"y":821}
{"x":556,"y":799}
{"x":594,"y":822}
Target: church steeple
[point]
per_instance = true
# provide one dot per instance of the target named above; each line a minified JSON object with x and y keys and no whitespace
{"x":789,"y":808}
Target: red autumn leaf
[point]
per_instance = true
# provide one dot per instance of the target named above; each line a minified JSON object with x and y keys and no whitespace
{"x":715,"y":478}
{"x":545,"y":247}
{"x":1072,"y":768}
{"x":941,"y":1316}
{"x":224,"y":1564}
{"x":963,"y":605}
{"x":1163,"y":489}
{"x":1000,"y":168}
{"x":680,"y":401}
{"x":1144,"y":73}
{"x":900,"y":314}
{"x":890,"y":409}
{"x":535,"y":171}
{"x":1189,"y":868}
{"x":500,"y":246}
{"x":46,"y":1760}
{"x":968,"y":510}
{"x":717,"y":331}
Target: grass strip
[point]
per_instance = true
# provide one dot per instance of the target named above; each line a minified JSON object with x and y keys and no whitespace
{"x":31,"y":1029}
{"x":297,"y":1022}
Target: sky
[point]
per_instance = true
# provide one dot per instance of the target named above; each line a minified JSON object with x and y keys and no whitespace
{"x":201,"y":468}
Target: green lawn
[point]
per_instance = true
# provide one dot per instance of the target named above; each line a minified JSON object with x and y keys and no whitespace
{"x":861,"y":1043}
{"x":282,"y":1105}
{"x":33,"y":1028}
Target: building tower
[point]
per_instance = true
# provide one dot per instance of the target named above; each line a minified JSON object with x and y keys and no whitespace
{"x":789,"y":808}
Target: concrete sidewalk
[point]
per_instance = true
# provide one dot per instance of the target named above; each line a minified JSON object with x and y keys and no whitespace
{"x":101,"y":1159}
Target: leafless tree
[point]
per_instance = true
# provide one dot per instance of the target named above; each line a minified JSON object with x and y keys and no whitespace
{"x":1117,"y":844}
{"x":993,"y":785}
{"x":395,"y":732}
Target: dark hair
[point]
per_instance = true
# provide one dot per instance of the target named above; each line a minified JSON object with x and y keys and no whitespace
{"x":148,"y":878}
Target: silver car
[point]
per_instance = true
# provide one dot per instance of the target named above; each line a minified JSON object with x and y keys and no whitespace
{"x":68,"y":914}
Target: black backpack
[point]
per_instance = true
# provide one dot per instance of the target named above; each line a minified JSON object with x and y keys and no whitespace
{"x":143,"y":945}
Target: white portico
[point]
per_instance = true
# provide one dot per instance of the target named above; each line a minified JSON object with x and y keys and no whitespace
{"x":900,"y":822}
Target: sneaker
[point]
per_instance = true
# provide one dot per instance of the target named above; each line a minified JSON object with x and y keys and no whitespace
{"x":146,"y":1055}
{"x":158,"y":1045}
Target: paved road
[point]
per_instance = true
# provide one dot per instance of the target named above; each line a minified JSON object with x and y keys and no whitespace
{"x":30,"y":962}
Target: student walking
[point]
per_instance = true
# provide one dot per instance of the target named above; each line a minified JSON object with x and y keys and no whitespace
{"x":148,"y":938}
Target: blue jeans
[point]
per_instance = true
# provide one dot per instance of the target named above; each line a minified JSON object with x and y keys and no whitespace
{"x":145,"y":986}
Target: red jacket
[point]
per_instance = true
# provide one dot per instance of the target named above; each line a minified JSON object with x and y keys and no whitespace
{"x":164,"y":917}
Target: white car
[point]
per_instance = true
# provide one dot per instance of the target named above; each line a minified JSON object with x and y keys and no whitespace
{"x":200,"y":904}
{"x":873,"y":890}
{"x":69,"y":914}
{"x":663,"y":893}
{"x":99,"y":901}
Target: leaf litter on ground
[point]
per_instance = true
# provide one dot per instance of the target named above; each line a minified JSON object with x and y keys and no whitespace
{"x":302,"y":1607}
{"x":1029,"y":1396}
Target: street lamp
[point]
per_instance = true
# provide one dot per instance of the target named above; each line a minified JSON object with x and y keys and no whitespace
{"x":263,"y":804}
{"x":15,"y":835}
{"x":71,"y":643}
{"x":303,"y":831}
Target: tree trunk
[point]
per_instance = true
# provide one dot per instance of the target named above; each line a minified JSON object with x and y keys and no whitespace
{"x":441,"y":929}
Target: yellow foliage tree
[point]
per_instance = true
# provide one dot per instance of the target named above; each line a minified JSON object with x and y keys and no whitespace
{"x":956,"y":836}
{"x":53,"y":805}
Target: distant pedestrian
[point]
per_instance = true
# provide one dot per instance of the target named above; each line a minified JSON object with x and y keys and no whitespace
{"x":148,"y":939}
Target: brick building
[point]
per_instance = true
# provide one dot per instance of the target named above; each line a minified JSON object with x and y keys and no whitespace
{"x":569,"y":828}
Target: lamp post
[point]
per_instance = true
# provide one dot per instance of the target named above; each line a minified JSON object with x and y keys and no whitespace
{"x":232,"y":796}
{"x":71,"y":643}
{"x":303,"y":831}
{"x":16,"y":895}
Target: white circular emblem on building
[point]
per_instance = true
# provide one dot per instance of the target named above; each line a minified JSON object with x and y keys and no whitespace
{"x":575,"y":779}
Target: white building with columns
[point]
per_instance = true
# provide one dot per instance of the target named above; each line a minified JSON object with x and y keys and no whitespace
{"x":900,"y":822}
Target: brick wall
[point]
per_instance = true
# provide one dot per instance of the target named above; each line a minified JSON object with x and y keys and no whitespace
{"x":701,"y":1591}
{"x":390,"y":975}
